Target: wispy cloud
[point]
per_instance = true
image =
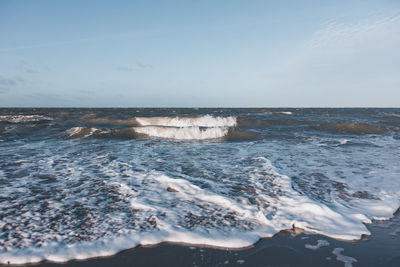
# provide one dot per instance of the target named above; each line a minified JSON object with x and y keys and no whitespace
{"x":138,"y":66}
{"x":89,"y":39}
{"x":25,"y":67}
{"x":344,"y":62}
{"x":7,"y":83}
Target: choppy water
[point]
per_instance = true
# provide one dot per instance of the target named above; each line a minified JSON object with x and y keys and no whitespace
{"x":79,"y":183}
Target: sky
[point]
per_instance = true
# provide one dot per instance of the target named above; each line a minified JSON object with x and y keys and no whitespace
{"x":225,"y":53}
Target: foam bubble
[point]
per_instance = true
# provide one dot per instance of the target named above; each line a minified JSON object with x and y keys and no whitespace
{"x":320,"y":243}
{"x":347,"y":260}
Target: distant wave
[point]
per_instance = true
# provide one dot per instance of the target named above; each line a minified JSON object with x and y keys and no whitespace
{"x":23,"y":118}
{"x":261,"y":112}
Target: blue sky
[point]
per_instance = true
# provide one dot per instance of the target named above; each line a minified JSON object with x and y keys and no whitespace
{"x":200,"y":53}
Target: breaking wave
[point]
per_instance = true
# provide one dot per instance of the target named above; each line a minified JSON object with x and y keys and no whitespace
{"x":203,"y":121}
{"x":177,"y":128}
{"x":181,"y":128}
{"x":183,"y":133}
{"x":174,"y":133}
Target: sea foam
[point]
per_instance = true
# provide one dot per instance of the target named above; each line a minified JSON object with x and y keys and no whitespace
{"x":188,"y":213}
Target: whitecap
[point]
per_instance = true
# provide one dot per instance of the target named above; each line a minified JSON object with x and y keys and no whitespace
{"x":203,"y":121}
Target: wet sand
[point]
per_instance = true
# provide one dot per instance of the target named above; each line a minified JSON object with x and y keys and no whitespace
{"x":382,"y":248}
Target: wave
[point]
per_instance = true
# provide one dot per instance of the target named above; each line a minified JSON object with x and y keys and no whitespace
{"x":178,"y":128}
{"x":183,"y":133}
{"x":174,"y":133}
{"x":262,"y":112}
{"x":23,"y":118}
{"x":203,"y":121}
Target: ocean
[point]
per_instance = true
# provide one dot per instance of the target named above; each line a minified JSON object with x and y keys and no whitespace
{"x":78,"y":183}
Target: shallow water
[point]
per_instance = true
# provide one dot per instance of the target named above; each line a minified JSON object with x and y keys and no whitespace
{"x":79,"y":183}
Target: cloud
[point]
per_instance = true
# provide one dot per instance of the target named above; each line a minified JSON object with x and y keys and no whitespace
{"x":143,"y":65}
{"x":87,"y":92}
{"x":139,"y":66}
{"x":25,"y":67}
{"x":355,"y":63}
{"x":7,"y":83}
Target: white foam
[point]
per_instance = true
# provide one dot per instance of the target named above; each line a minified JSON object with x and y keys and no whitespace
{"x":203,"y":121}
{"x":344,"y":141}
{"x":198,"y":210}
{"x":221,"y":215}
{"x":23,"y":118}
{"x":83,"y":132}
{"x":184,"y":133}
{"x":347,"y":260}
{"x":320,"y":243}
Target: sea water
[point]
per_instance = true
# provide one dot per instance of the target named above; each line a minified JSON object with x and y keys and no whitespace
{"x":80,"y":183}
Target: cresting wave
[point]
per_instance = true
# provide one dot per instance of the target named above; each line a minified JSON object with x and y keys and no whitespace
{"x":174,"y":133}
{"x":203,"y":121}
{"x":178,"y":128}
{"x":183,"y":133}
{"x":181,"y":128}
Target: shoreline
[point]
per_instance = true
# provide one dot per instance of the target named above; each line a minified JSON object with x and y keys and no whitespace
{"x":286,"y":248}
